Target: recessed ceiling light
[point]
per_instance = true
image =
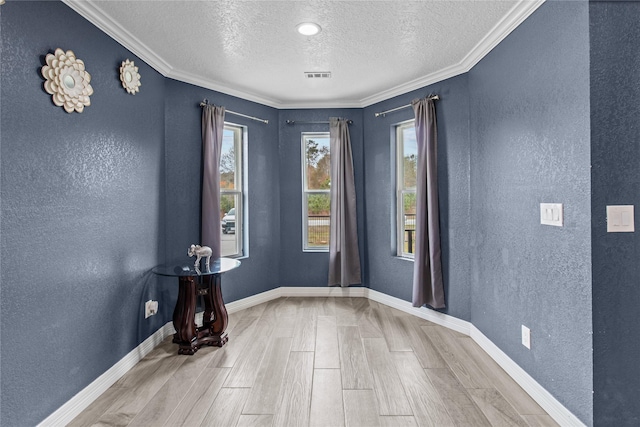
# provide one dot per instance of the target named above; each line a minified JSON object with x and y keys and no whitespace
{"x":308,"y":29}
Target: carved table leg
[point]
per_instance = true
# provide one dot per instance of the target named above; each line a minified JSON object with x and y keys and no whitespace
{"x":215,"y":313}
{"x":184,"y":316}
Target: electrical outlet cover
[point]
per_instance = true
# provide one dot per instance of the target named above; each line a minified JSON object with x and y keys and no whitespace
{"x":526,"y":337}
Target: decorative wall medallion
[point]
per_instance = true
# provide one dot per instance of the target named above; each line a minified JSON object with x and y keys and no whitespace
{"x":67,"y":81}
{"x":129,"y":77}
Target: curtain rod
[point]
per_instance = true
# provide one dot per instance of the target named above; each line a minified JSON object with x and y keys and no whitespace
{"x":293,"y":122}
{"x":434,"y":97}
{"x":206,"y":102}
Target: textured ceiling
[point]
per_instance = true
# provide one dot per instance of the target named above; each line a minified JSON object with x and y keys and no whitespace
{"x":374,"y":49}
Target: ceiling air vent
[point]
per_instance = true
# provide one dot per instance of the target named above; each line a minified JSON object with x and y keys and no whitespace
{"x":317,"y":74}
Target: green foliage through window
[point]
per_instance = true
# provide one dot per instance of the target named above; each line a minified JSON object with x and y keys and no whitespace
{"x":316,"y":188}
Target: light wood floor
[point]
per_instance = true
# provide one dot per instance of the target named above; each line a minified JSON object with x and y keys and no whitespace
{"x":320,"y":362}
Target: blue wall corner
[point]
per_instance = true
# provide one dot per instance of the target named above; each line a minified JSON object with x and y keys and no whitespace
{"x":82,"y":212}
{"x":529,"y":103}
{"x":524,"y":126}
{"x":386,"y":272}
{"x":615,"y":180}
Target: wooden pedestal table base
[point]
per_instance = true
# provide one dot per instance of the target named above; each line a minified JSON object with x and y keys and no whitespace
{"x":215,"y":318}
{"x":193,"y":283}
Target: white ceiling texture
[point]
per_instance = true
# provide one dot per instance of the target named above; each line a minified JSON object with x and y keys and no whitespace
{"x":251,"y":49}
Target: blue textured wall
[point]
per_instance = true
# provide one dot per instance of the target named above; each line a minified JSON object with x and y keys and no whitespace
{"x":530,"y":143}
{"x":259,"y":272}
{"x":615,"y":154}
{"x":311,"y":268}
{"x":521,"y":128}
{"x":386,"y":272}
{"x":81,"y":212}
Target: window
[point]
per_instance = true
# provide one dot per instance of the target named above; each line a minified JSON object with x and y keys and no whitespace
{"x":316,"y":185}
{"x":231,"y":191}
{"x":406,"y":167}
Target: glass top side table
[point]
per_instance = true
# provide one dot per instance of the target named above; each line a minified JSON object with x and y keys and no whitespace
{"x":193,"y":282}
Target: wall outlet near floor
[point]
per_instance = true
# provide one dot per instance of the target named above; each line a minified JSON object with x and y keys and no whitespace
{"x":526,"y":337}
{"x":150,"y":308}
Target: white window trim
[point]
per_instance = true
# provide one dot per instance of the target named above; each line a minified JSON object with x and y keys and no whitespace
{"x":400,"y":191}
{"x":240,"y":192}
{"x":305,"y":192}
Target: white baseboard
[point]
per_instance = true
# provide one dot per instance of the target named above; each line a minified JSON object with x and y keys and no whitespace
{"x":550,"y":404}
{"x":325,"y":291}
{"x":85,"y":397}
{"x":78,"y":403}
{"x":436,"y":317}
{"x":253,"y":300}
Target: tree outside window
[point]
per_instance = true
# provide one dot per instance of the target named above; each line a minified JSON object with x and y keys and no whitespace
{"x":316,"y":209}
{"x":406,"y":168}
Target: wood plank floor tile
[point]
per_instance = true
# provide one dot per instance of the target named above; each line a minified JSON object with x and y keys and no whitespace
{"x":195,"y":404}
{"x":398,"y":421}
{"x":245,"y":368}
{"x":165,"y":401}
{"x":428,"y":409}
{"x":93,"y":412}
{"x":304,"y":332}
{"x":364,"y":356}
{"x":360,"y":408}
{"x":465,"y":369}
{"x":500,"y":380}
{"x":255,"y":311}
{"x":540,"y":421}
{"x":497,"y":410}
{"x":387,"y":385}
{"x":421,"y":344}
{"x":133,"y":400}
{"x":284,"y":327}
{"x":342,"y":305}
{"x":360,"y":305}
{"x":290,"y":307}
{"x":353,"y":362}
{"x":226,"y":356}
{"x":345,"y":313}
{"x":294,"y":401}
{"x":394,"y":332}
{"x":226,"y":408}
{"x":326,"y":399}
{"x":266,"y":388}
{"x":255,"y":421}
{"x":280,"y":307}
{"x":148,"y":365}
{"x":325,"y":306}
{"x":369,"y":323}
{"x":457,"y":401}
{"x":327,"y":354}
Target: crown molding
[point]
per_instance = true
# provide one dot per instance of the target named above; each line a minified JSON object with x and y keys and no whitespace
{"x":521,"y":11}
{"x":499,"y":32}
{"x":186,"y":77}
{"x":97,"y":17}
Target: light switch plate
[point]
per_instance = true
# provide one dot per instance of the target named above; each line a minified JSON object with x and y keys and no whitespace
{"x":620,"y":219}
{"x":551,"y":214}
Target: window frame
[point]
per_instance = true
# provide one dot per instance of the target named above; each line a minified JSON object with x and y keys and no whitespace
{"x":400,"y":190}
{"x":306,"y":192}
{"x":239,"y":190}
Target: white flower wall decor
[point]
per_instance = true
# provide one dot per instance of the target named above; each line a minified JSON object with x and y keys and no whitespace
{"x":130,"y":77}
{"x":67,"y":81}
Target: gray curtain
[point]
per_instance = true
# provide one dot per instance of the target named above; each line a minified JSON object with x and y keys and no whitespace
{"x":427,"y":269}
{"x":212,"y":129}
{"x":344,"y":256}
